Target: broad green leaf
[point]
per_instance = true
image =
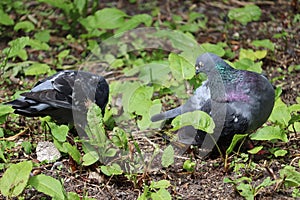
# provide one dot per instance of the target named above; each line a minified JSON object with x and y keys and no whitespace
{"x":246,"y":191}
{"x":245,"y":14}
{"x":269,"y":133}
{"x":145,"y":122}
{"x":43,"y":36}
{"x":266,"y":183}
{"x":180,"y":67}
{"x":168,"y":156}
{"x":157,"y":73}
{"x":248,"y":64}
{"x":213,"y":48}
{"x":48,"y":186}
{"x":119,"y":138}
{"x":179,"y":40}
{"x":107,"y":18}
{"x":291,"y":176}
{"x":280,"y":153}
{"x":260,"y":54}
{"x":90,"y":158}
{"x":264,"y":43}
{"x":17,"y":48}
{"x":27,"y":26}
{"x":280,"y":113}
{"x":198,"y":119}
{"x":27,"y":146}
{"x":236,"y":138}
{"x":5,"y":19}
{"x":37,"y":69}
{"x":80,"y":5}
{"x":15,"y":179}
{"x":135,"y":21}
{"x":140,"y":101}
{"x":252,"y":55}
{"x":73,"y":152}
{"x":38,"y":45}
{"x":5,"y":109}
{"x":255,"y":150}
{"x":114,"y":169}
{"x":74,"y":196}
{"x":60,"y":132}
{"x":66,"y":6}
{"x":160,"y":184}
{"x":161,"y":194}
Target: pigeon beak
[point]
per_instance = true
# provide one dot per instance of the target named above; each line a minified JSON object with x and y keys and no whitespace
{"x":198,"y":67}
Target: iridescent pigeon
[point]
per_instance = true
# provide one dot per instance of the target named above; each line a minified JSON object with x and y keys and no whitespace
{"x":239,"y":101}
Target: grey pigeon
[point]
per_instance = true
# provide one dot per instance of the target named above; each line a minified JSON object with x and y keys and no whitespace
{"x":63,"y":96}
{"x":239,"y":101}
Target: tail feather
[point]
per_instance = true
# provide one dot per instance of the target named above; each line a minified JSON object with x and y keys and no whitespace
{"x":167,"y":115}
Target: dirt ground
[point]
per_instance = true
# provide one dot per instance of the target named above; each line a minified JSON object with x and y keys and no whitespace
{"x":206,"y":182}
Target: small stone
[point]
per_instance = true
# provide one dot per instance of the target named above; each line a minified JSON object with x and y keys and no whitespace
{"x":47,"y":151}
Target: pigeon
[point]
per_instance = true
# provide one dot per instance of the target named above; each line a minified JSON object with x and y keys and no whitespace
{"x":64,"y":97}
{"x":238,"y":101}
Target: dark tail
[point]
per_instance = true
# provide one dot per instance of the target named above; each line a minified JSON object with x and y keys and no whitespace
{"x":167,"y":115}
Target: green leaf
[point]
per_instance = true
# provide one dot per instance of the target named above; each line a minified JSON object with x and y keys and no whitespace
{"x":248,"y":64}
{"x":27,"y":26}
{"x":236,"y":138}
{"x":290,"y":176}
{"x":252,"y":55}
{"x":246,"y":191}
{"x":5,"y":110}
{"x":15,"y":179}
{"x":74,"y":196}
{"x":161,"y":194}
{"x":246,"y":14}
{"x":37,"y":69}
{"x":264,"y":43}
{"x":255,"y":150}
{"x":17,"y":48}
{"x":59,"y":132}
{"x":27,"y":147}
{"x":189,"y":165}
{"x":135,"y":21}
{"x":48,"y":186}
{"x":198,"y":119}
{"x":114,"y":169}
{"x":155,"y":73}
{"x":280,"y":113}
{"x":140,"y":101}
{"x":80,"y":5}
{"x":162,"y":184}
{"x":90,"y":158}
{"x":213,"y":48}
{"x":43,"y":36}
{"x":107,"y":18}
{"x":119,"y":138}
{"x":180,"y":67}
{"x":269,"y":133}
{"x":95,"y":128}
{"x":266,"y":183}
{"x":180,"y":41}
{"x":280,"y":153}
{"x":5,"y":19}
{"x":38,"y":45}
{"x":73,"y":152}
{"x":168,"y":156}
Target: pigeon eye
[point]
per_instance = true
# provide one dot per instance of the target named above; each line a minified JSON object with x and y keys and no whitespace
{"x":200,"y":64}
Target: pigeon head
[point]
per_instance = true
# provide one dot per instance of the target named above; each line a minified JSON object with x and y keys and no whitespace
{"x":209,"y":62}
